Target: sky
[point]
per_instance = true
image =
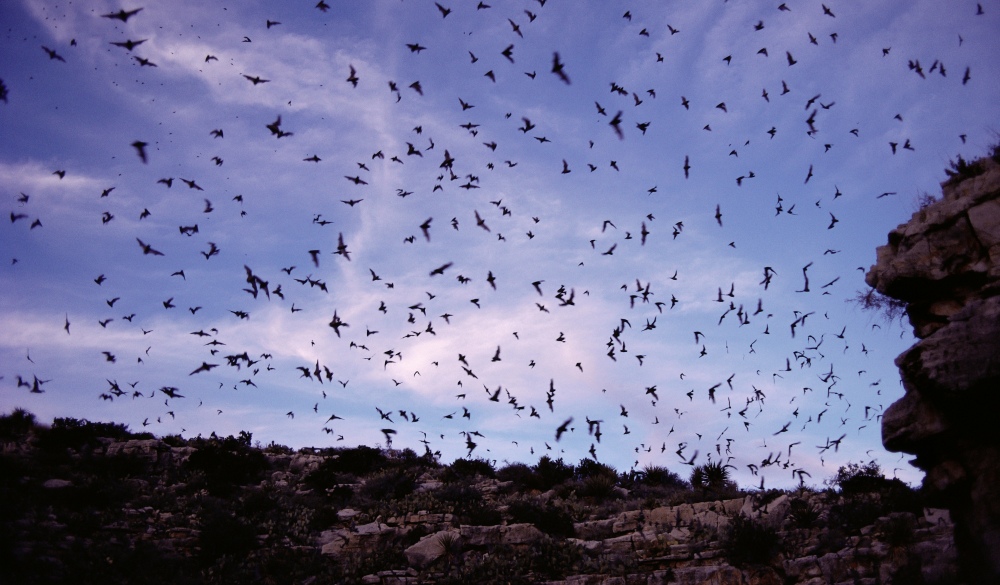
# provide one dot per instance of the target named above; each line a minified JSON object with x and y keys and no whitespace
{"x":487,"y":222}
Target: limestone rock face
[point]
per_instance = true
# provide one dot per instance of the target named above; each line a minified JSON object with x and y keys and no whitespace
{"x":430,"y":548}
{"x":945,"y":264}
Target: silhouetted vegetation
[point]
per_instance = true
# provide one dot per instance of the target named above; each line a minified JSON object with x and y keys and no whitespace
{"x":224,"y":510}
{"x":887,"y":308}
{"x":548,"y":517}
{"x":959,"y":169}
{"x":748,"y":541}
{"x":16,"y":425}
{"x":466,"y":469}
{"x":866,"y":494}
{"x":226,"y":463}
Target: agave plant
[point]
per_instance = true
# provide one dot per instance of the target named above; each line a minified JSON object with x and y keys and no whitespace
{"x":712,"y":476}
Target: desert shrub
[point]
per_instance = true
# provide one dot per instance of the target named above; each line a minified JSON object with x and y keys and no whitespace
{"x":464,"y":469}
{"x":390,"y":484}
{"x":174,"y":441}
{"x":749,"y":542}
{"x":551,"y":472}
{"x":360,"y":460}
{"x":866,"y":495}
{"x":925,"y":200}
{"x":346,"y":465}
{"x":325,"y":479}
{"x":853,"y":479}
{"x":226,"y":463}
{"x":77,"y":434}
{"x":468,"y":505}
{"x":408,"y":459}
{"x":599,"y":487}
{"x":522,"y":476}
{"x":16,"y":425}
{"x":591,"y":468}
{"x":273,"y":448}
{"x":802,"y":514}
{"x":548,"y":517}
{"x":960,"y":169}
{"x":712,"y":477}
{"x":655,"y":475}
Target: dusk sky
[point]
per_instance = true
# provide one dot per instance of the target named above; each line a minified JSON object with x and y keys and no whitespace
{"x":577,"y":209}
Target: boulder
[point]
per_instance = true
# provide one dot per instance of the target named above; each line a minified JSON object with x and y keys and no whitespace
{"x":430,"y":548}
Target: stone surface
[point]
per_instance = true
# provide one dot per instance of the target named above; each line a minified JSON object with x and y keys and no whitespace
{"x":945,"y":264}
{"x":429,"y":549}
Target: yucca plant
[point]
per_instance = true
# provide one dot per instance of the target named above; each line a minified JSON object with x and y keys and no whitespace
{"x":712,"y":476}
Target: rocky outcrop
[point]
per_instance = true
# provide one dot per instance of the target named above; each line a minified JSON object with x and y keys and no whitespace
{"x":682,"y":544}
{"x":159,"y":510}
{"x":945,"y":265}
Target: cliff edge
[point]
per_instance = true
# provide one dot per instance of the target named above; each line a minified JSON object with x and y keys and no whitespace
{"x":944,"y":263}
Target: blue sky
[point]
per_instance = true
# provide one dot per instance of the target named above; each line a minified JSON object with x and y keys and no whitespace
{"x":265,"y":205}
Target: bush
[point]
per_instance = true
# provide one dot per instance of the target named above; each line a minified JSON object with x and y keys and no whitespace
{"x":390,"y":484}
{"x":463,"y":469}
{"x":77,"y":434}
{"x":467,"y":504}
{"x":960,"y":170}
{"x":867,"y":495}
{"x":408,"y":459}
{"x":749,"y":542}
{"x":853,"y":479}
{"x":360,"y":460}
{"x":655,"y":475}
{"x":522,"y":476}
{"x":591,"y":468}
{"x":16,"y":425}
{"x":345,"y":465}
{"x":227,"y":463}
{"x":548,"y":518}
{"x":552,"y":472}
{"x":801,"y":514}
{"x":273,"y":448}
{"x":599,"y":487}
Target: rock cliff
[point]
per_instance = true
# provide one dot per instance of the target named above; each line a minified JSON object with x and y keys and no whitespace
{"x":944,"y":263}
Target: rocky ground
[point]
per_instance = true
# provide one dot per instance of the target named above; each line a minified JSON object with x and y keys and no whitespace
{"x":91,"y":502}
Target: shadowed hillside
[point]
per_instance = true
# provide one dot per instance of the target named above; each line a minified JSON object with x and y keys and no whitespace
{"x":93,"y":502}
